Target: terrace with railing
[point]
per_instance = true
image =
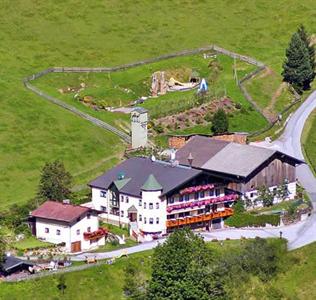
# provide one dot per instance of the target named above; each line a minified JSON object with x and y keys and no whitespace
{"x":200,"y":218}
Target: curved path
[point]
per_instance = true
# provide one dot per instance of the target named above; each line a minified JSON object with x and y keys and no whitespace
{"x":299,"y":234}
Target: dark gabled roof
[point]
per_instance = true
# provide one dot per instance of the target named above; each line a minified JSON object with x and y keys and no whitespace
{"x":11,"y":262}
{"x":58,"y":211}
{"x":138,"y":169}
{"x":227,"y":158}
{"x":202,"y":149}
{"x":151,"y":184}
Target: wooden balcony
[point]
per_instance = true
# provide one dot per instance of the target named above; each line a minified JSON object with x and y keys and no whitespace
{"x":201,"y":218}
{"x":95,"y":235}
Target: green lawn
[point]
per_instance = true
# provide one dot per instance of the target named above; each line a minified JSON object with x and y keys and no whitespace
{"x":296,"y":281}
{"x":106,"y":88}
{"x":309,"y":140}
{"x":38,"y":35}
{"x":266,"y":92}
{"x":30,"y":243}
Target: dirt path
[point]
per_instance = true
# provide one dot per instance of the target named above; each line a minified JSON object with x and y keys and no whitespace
{"x":267,"y":71}
{"x":276,"y":95}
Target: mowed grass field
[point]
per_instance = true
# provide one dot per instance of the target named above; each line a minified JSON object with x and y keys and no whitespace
{"x":40,"y":34}
{"x":296,"y":281}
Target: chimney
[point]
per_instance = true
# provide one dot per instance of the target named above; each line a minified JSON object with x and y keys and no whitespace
{"x":190,"y":159}
{"x":172,"y":156}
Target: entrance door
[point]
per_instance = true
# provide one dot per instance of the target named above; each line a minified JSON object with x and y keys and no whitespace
{"x":216,"y":223}
{"x":76,"y":246}
{"x":132,"y":217}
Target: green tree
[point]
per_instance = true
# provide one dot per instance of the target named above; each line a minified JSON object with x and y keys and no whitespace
{"x":282,"y":191}
{"x":134,"y":283}
{"x":55,"y":182}
{"x":183,"y":268}
{"x":310,"y":47}
{"x":265,"y":195}
{"x":297,"y":69}
{"x":239,"y":206}
{"x":261,"y":258}
{"x":220,"y":122}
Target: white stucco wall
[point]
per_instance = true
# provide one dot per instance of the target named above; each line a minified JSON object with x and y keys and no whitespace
{"x":98,"y":201}
{"x":68,"y":234}
{"x":154,"y":213}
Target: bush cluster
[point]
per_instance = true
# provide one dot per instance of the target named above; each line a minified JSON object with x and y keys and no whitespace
{"x":248,"y":220}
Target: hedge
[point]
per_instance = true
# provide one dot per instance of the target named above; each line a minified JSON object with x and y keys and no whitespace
{"x":249,"y":220}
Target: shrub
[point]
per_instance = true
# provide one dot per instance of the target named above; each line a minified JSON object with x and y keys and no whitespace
{"x":220,"y":122}
{"x":239,"y":206}
{"x":246,"y":219}
{"x":238,"y":105}
{"x":158,"y":128}
{"x":208,"y":117}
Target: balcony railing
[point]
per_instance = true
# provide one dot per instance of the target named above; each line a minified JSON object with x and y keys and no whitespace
{"x":199,"y":203}
{"x":95,"y":235}
{"x":201,"y":218}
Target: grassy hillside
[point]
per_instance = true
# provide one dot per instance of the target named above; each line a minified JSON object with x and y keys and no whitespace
{"x":106,"y":282}
{"x":39,"y":34}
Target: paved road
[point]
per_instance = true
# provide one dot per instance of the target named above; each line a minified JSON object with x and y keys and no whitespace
{"x":299,"y":234}
{"x":290,"y":143}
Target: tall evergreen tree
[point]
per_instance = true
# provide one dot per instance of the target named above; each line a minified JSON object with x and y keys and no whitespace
{"x":311,"y":49}
{"x":55,"y":182}
{"x":297,"y":69}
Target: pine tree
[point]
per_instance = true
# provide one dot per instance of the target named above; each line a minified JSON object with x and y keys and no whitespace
{"x":311,"y":49}
{"x":220,"y":122}
{"x":297,"y":69}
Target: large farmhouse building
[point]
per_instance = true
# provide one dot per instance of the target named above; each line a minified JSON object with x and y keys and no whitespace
{"x":244,"y":167}
{"x":198,"y":187}
{"x":74,"y":226}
